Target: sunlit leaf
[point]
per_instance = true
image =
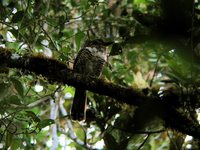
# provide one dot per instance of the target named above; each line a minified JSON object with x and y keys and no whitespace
{"x":79,"y":38}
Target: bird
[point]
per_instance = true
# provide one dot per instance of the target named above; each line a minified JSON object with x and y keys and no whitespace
{"x":89,"y":62}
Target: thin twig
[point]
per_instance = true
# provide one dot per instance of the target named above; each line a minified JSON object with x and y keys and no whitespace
{"x":145,"y":140}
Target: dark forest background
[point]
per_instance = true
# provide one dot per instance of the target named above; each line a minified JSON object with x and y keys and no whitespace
{"x":147,"y":97}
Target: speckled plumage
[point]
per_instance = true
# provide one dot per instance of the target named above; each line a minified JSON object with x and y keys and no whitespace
{"x":89,"y":62}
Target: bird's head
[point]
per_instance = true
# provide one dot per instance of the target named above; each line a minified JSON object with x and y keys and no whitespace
{"x":98,"y":47}
{"x":97,"y":43}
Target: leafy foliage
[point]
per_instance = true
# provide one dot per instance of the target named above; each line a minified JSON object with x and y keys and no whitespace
{"x":155,"y":51}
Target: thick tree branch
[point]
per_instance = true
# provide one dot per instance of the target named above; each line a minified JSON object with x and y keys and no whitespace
{"x":56,"y":71}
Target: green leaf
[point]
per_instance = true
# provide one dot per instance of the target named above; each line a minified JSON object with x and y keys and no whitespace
{"x":45,"y":123}
{"x":73,"y":3}
{"x":9,"y":138}
{"x":18,"y":17}
{"x":18,"y":86}
{"x":132,"y":57}
{"x":84,"y":4}
{"x":14,"y":99}
{"x":16,"y":143}
{"x":52,"y":21}
{"x":33,"y":116}
{"x":79,"y":38}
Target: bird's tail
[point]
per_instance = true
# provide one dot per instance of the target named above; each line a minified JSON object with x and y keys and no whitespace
{"x":78,"y":106}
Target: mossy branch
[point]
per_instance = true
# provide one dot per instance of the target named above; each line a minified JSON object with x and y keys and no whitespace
{"x":59,"y":72}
